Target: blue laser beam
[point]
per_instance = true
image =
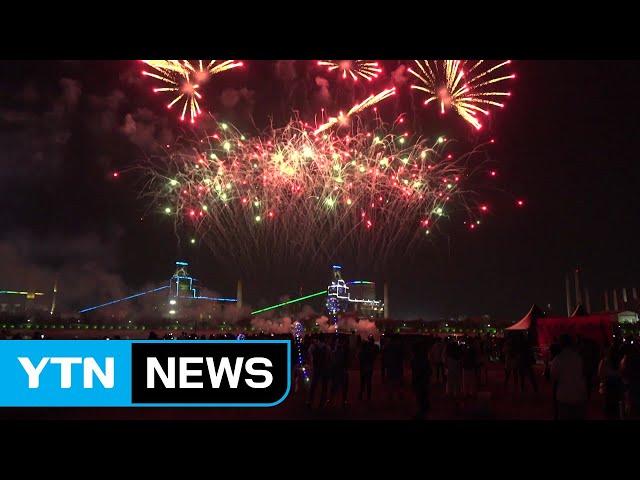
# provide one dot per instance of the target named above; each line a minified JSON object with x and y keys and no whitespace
{"x":214,"y":299}
{"x":88,"y":309}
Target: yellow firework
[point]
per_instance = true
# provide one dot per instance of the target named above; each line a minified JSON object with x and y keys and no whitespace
{"x":468,"y":87}
{"x":344,"y":118}
{"x":182,"y":79}
{"x":353,"y":68}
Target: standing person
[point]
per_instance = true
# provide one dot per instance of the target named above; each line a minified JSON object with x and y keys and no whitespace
{"x":611,"y":385}
{"x":527,"y":360}
{"x":384,"y":354}
{"x":453,"y":369}
{"x":469,"y":370}
{"x":340,"y":369}
{"x":354,"y":341}
{"x":436,"y":359}
{"x":395,"y":368}
{"x":420,"y":377}
{"x":630,"y":369}
{"x":510,"y":350}
{"x":482,"y":354}
{"x":594,"y":361}
{"x":320,"y":358}
{"x":588,"y":350}
{"x":567,"y":374}
{"x":554,"y":350}
{"x":498,"y":349}
{"x":367,"y":357}
{"x":446,"y":345}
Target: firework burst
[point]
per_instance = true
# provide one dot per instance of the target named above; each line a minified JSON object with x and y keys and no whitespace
{"x":182,"y":79}
{"x":468,"y":87}
{"x":343,"y":119}
{"x":353,"y":69}
{"x":291,"y":197}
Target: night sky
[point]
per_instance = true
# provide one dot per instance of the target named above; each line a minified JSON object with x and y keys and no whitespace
{"x":566,"y":143}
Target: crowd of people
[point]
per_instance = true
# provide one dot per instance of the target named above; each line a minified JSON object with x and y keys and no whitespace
{"x":461,"y":365}
{"x":575,"y":368}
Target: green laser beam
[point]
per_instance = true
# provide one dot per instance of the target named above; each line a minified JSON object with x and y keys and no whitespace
{"x":13,"y":292}
{"x":323,"y":292}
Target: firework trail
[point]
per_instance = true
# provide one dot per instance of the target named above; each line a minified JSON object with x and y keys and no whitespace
{"x":468,"y":87}
{"x":353,"y":69}
{"x":343,"y":119}
{"x":289,"y":197}
{"x":182,"y":79}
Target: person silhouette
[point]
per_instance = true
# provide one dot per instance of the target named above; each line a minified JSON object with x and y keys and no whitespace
{"x":320,"y":354}
{"x":367,"y":357}
{"x":420,"y":378}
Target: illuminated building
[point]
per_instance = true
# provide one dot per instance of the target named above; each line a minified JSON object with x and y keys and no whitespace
{"x":182,"y":300}
{"x":337,"y":294}
{"x":358,"y":296}
{"x":16,"y":302}
{"x":362,"y":298}
{"x":185,"y":298}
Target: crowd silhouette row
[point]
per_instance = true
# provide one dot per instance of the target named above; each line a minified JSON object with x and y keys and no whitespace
{"x":574,"y":367}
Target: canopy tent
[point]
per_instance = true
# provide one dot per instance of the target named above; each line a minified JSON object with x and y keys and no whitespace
{"x":597,"y":327}
{"x":528,"y":320}
{"x":543,"y":330}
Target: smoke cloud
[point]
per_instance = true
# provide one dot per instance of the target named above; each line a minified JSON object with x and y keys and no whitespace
{"x":79,"y":265}
{"x":399,"y":75}
{"x":323,"y":95}
{"x":364,"y":327}
{"x":286,"y":70}
{"x":272,"y":326}
{"x":146,"y":130}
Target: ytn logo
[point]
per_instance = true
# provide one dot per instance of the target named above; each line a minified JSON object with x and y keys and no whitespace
{"x":90,"y":369}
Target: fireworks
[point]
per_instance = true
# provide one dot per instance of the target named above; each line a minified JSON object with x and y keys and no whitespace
{"x":303,"y":194}
{"x":353,"y":68}
{"x":468,"y":91}
{"x":182,"y":78}
{"x":368,"y":102}
{"x":291,"y":197}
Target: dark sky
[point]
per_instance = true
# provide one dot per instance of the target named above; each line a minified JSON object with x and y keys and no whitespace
{"x":567,"y":144}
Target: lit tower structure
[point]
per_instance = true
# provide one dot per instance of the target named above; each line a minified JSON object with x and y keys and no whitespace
{"x":183,"y":295}
{"x":337,"y":295}
{"x":18,"y":302}
{"x":181,"y":286}
{"x":362,"y":298}
{"x":357,"y":297}
{"x":184,"y":292}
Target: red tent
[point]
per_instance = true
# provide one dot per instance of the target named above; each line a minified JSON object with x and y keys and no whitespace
{"x":542,"y":330}
{"x":528,"y":320}
{"x":598,"y":327}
